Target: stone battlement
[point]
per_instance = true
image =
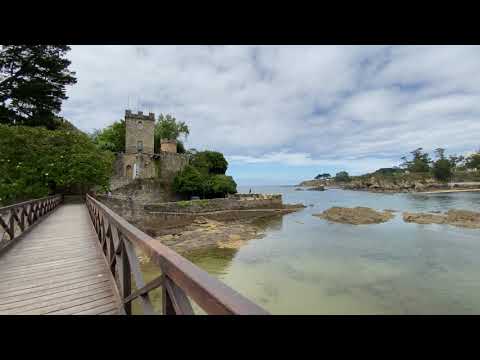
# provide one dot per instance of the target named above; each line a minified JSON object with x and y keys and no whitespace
{"x":139,"y":115}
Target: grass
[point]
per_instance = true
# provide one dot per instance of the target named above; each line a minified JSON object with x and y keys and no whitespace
{"x":185,"y":204}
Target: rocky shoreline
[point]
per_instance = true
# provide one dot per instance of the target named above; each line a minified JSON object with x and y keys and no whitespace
{"x":393,"y":185}
{"x":374,"y":184}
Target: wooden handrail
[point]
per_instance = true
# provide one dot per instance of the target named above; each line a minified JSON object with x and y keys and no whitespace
{"x":180,"y":278}
{"x":22,"y":216}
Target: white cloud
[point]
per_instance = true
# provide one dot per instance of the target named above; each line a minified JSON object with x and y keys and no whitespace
{"x":296,"y":105}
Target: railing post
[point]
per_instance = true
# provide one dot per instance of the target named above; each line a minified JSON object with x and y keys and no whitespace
{"x":126,"y":279}
{"x":167,"y":304}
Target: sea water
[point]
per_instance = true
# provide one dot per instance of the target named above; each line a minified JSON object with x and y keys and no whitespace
{"x":308,"y":265}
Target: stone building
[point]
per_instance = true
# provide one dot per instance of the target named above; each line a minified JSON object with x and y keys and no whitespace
{"x":140,"y":160}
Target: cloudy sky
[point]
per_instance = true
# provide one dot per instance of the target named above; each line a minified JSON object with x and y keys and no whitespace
{"x":282,"y":114}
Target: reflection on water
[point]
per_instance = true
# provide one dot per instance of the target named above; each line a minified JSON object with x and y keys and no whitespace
{"x":306,"y":265}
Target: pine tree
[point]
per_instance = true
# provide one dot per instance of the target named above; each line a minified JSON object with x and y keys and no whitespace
{"x":33,"y":79}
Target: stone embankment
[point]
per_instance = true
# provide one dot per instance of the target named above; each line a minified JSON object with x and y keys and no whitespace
{"x":160,"y":218}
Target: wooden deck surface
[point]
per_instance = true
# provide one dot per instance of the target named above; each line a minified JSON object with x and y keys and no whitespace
{"x":57,"y":268}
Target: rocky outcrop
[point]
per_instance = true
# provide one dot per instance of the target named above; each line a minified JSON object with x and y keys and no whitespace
{"x":355,"y":216}
{"x":317,"y":188}
{"x":312,"y":183}
{"x":459,"y":218}
{"x":379,"y":184}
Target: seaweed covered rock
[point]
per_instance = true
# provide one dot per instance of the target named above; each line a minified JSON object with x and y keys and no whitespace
{"x":356,"y":216}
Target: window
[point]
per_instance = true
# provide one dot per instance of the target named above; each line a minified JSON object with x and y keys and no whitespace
{"x":139,"y":146}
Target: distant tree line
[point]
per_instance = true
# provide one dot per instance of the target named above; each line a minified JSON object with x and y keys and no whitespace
{"x":442,"y":168}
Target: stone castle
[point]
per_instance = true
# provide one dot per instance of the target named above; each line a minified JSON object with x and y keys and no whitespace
{"x":140,"y":160}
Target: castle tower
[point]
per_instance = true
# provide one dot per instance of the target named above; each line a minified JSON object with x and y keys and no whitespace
{"x":168,"y":145}
{"x":139,"y":137}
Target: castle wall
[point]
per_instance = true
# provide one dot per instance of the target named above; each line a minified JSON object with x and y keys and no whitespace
{"x":170,"y":164}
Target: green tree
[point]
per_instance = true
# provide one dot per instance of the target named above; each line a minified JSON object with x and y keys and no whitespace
{"x":205,"y":176}
{"x":323,"y":176}
{"x":442,"y":167}
{"x":210,"y":162}
{"x":35,"y":162}
{"x":420,"y":162}
{"x":190,"y":182}
{"x":111,"y":138}
{"x":473,"y":161}
{"x":220,"y":185}
{"x":167,"y":127}
{"x":456,"y":161}
{"x":33,"y":80}
{"x":342,"y":176}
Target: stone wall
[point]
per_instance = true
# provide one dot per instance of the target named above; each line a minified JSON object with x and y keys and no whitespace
{"x":146,"y":191}
{"x":240,"y":202}
{"x":169,"y":164}
{"x":157,"y":219}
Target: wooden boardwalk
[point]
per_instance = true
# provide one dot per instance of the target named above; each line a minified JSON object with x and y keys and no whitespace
{"x":58,"y":268}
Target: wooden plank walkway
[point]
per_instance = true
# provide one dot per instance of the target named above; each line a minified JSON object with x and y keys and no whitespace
{"x":58,"y":268}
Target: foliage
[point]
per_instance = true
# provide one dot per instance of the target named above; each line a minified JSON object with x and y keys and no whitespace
{"x":111,"y":138}
{"x":342,"y":176}
{"x":205,"y":176}
{"x":442,"y":169}
{"x":388,"y":171}
{"x":32,"y":83}
{"x":35,"y":162}
{"x":323,"y":176}
{"x":190,"y":182}
{"x":210,"y":162}
{"x":167,"y":127}
{"x":181,"y":147}
{"x":457,"y":162}
{"x":473,"y":161}
{"x":420,"y":161}
{"x":219,"y":185}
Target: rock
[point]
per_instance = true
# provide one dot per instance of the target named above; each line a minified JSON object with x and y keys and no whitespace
{"x":316,"y":188}
{"x":200,"y":220}
{"x":294,"y":206}
{"x":299,"y":189}
{"x":463,"y":218}
{"x":355,"y":216}
{"x":459,"y":218}
{"x":423,"y":218}
{"x":419,"y":186}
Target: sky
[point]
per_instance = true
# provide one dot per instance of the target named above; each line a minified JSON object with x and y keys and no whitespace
{"x":283,"y":114}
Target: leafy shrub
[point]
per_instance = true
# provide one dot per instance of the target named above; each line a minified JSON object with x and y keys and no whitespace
{"x":35,"y":162}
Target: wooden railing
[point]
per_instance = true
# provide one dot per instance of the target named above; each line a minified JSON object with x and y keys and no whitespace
{"x":17,"y":219}
{"x":179,"y":279}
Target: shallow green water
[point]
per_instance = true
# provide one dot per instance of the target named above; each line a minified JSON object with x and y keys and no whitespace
{"x":307,"y":265}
